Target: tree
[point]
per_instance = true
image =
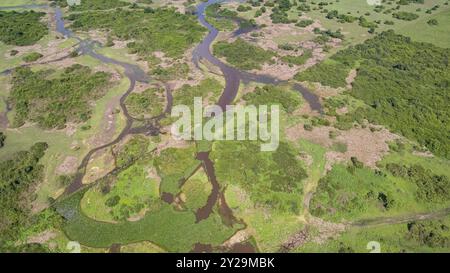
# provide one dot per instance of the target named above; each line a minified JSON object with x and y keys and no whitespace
{"x":2,"y":139}
{"x":285,"y":5}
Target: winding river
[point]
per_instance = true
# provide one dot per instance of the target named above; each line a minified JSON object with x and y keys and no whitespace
{"x":134,"y":73}
{"x":233,"y":78}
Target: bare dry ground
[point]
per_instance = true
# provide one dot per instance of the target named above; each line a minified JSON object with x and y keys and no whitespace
{"x":101,"y":163}
{"x":68,"y":166}
{"x":369,"y":147}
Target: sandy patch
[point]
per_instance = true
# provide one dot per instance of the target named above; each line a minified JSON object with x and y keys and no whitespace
{"x":323,"y":91}
{"x":351,"y":78}
{"x":108,"y":124}
{"x":296,"y":240}
{"x":171,"y":142}
{"x":152,"y":173}
{"x":423,"y":154}
{"x":69,"y":165}
{"x":342,"y":111}
{"x":238,"y":237}
{"x":369,"y":147}
{"x":42,"y":238}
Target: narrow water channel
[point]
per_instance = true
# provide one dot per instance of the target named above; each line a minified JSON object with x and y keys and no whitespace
{"x":134,"y":73}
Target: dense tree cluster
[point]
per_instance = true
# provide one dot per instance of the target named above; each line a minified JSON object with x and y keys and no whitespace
{"x":405,"y":83}
{"x":21,"y":28}
{"x":327,"y":73}
{"x":242,"y":54}
{"x":429,"y":233}
{"x":52,"y":101}
{"x":32,"y":57}
{"x":18,"y":177}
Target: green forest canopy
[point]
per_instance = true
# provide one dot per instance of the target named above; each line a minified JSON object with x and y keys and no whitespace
{"x":53,"y":102}
{"x":405,"y":83}
{"x":21,"y":28}
{"x":17,"y":175}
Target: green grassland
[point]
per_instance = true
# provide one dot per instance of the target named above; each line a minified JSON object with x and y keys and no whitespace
{"x":405,"y":154}
{"x":316,"y":169}
{"x":349,"y":194}
{"x":402,"y":185}
{"x":148,"y":103}
{"x":355,"y":33}
{"x":21,"y":28}
{"x":128,"y":194}
{"x":131,"y":195}
{"x":141,"y":247}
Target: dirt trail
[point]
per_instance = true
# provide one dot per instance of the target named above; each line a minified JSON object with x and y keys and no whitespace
{"x":380,"y":221}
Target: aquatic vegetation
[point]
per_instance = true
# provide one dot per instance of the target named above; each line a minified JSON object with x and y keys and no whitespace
{"x":172,"y":230}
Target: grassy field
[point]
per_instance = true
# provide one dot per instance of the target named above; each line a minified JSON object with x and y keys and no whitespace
{"x":317,"y":168}
{"x":10,"y":3}
{"x":423,"y":32}
{"x":60,"y":144}
{"x":418,"y":29}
